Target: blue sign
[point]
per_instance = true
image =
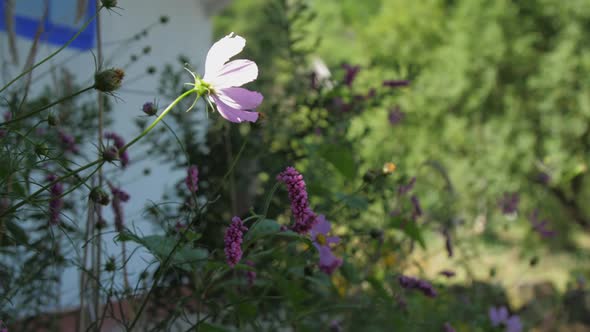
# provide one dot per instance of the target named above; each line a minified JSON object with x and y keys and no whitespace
{"x":58,"y":26}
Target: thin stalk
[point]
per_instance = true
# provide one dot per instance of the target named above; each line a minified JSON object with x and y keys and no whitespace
{"x":52,"y":54}
{"x":166,"y":261}
{"x":47,"y":186}
{"x":158,"y":119}
{"x":59,"y":101}
{"x":100,"y":100}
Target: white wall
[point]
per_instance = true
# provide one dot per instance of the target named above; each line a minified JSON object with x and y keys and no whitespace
{"x":187,"y":32}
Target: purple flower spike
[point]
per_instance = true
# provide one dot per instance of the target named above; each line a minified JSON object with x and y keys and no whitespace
{"x":416,"y":209}
{"x":350,"y":75}
{"x":448,"y":242}
{"x":322,"y":240}
{"x":509,"y":203}
{"x":233,"y":241}
{"x":68,"y":141}
{"x":405,"y":188}
{"x":119,"y":196}
{"x":543,"y":178}
{"x":305,"y":218}
{"x":192,"y":179}
{"x":448,"y":328}
{"x":395,"y":116}
{"x":119,"y":144}
{"x":55,"y":202}
{"x":223,"y":80}
{"x":417,"y":284}
{"x":447,"y":273}
{"x":395,"y":83}
{"x":540,"y":226}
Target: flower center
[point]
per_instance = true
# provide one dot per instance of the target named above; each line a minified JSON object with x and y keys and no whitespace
{"x":321,"y":239}
{"x":202,"y":88}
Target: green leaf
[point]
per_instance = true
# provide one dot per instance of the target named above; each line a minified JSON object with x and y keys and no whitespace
{"x":247,"y":311}
{"x":341,"y":158}
{"x":19,"y":234}
{"x":161,"y":246}
{"x":410,"y":228}
{"x":209,"y":327}
{"x":262,"y":228}
{"x":353,"y":201}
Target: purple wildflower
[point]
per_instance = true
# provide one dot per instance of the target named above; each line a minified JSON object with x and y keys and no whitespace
{"x":338,"y":104}
{"x":322,"y":241}
{"x":405,"y":188}
{"x":395,"y":83}
{"x":233,"y":241}
{"x":350,"y":75}
{"x":68,"y":141}
{"x":416,"y":209}
{"x":335,"y":326}
{"x":179,"y":227}
{"x":119,"y":196}
{"x":371,"y":94}
{"x":448,"y":328}
{"x":223,"y":79}
{"x":414,"y":283}
{"x":314,"y":80}
{"x":509,"y":203}
{"x":119,"y":143}
{"x":540,"y":226}
{"x":500,"y":317}
{"x":447,"y":273}
{"x":192,"y":179}
{"x":55,"y":202}
{"x":448,"y":242}
{"x":543,"y":178}
{"x":305,"y":218}
{"x":149,"y":108}
{"x":395,"y":116}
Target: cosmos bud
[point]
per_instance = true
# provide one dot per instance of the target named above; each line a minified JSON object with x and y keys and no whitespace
{"x":99,"y":196}
{"x":52,"y":120}
{"x":110,"y":154}
{"x":108,"y":4}
{"x":108,"y":80}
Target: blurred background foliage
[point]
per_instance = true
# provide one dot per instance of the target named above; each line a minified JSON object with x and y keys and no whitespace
{"x":498,"y":103}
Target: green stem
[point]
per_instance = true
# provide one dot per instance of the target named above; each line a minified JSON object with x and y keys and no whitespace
{"x":61,"y":100}
{"x":46,"y":187}
{"x":52,"y":54}
{"x":158,"y":119}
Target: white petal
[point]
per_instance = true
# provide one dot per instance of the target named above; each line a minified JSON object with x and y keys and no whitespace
{"x":221,"y":52}
{"x":234,"y":73}
{"x":239,"y":98}
{"x":232,"y":114}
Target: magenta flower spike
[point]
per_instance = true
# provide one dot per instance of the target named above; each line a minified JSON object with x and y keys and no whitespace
{"x":233,"y":241}
{"x":305,"y":218}
{"x":192,"y":179}
{"x":222,"y":81}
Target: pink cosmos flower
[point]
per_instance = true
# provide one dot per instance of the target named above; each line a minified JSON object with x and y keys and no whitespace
{"x":223,"y":79}
{"x":319,"y":236}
